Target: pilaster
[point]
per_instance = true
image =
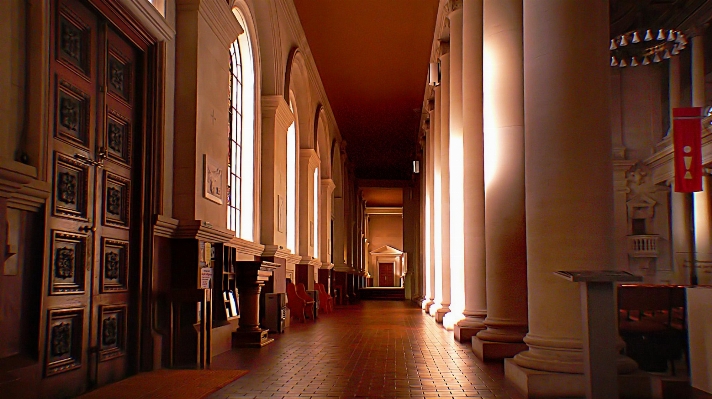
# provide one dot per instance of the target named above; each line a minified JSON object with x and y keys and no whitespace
{"x":204,"y":31}
{"x":276,"y":119}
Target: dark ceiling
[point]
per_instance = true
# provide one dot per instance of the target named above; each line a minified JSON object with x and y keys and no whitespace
{"x":372,"y":56}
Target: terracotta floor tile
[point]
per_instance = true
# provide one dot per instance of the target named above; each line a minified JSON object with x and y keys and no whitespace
{"x":376,"y":349}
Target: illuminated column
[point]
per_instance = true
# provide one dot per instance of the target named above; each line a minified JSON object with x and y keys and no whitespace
{"x":456,"y":161}
{"x":473,"y":175}
{"x":504,"y":181}
{"x":681,"y":203}
{"x":568,"y":227}
{"x":442,"y":215}
{"x":429,"y":176}
{"x":701,"y":200}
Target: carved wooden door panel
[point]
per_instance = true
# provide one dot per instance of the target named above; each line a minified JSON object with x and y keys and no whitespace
{"x":92,"y":114}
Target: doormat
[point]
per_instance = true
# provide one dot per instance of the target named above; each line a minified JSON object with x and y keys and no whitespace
{"x":168,"y":384}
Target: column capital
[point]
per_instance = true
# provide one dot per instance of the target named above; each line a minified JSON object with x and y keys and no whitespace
{"x":309,"y":155}
{"x":443,"y":48}
{"x":455,"y":5}
{"x":276,"y":107}
{"x":452,"y":6}
{"x":328,"y":184}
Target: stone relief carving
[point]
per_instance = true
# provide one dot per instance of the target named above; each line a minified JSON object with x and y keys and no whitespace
{"x":213,"y":180}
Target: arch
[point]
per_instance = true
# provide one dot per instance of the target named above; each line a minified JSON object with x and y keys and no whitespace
{"x":270,"y":40}
{"x":321,"y":140}
{"x":297,"y":83}
{"x":336,"y":169}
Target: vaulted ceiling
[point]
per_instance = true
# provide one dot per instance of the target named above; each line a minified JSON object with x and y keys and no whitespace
{"x":372,"y":56}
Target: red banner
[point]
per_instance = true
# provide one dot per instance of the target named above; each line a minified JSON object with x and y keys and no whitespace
{"x":687,"y":132}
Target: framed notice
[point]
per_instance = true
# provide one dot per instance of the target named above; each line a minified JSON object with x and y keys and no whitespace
{"x":234,"y":308}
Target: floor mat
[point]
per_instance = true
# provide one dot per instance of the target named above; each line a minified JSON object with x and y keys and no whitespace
{"x":173,"y":384}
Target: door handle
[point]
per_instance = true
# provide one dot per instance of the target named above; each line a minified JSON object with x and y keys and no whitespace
{"x":86,"y":229}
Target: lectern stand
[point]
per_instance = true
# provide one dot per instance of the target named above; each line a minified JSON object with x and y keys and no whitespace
{"x":598,"y":316}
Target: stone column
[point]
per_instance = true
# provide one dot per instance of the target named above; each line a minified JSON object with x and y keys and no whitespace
{"x":701,"y":200}
{"x":429,"y":177}
{"x":473,"y":174}
{"x":681,"y":203}
{"x":568,"y":227}
{"x":455,"y":153}
{"x":505,"y":225}
{"x":442,"y":204}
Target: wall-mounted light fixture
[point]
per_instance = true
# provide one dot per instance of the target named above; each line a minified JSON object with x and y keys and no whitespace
{"x":434,"y":74}
{"x":416,"y":166}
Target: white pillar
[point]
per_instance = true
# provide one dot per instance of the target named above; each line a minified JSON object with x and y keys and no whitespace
{"x":566,"y":107}
{"x":436,"y":235}
{"x":456,"y":157}
{"x":474,"y":187}
{"x":504,"y":196}
{"x":429,"y":177}
{"x":442,"y":217}
{"x":701,"y":200}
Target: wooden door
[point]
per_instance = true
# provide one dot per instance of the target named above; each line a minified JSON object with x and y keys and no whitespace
{"x":87,"y":309}
{"x":385,"y":274}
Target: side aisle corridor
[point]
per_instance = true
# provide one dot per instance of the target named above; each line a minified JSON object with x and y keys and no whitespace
{"x":375,"y":349}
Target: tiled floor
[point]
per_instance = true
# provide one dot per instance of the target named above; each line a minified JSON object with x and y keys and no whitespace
{"x":375,"y":349}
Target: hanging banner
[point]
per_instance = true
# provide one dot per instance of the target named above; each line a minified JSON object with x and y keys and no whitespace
{"x":687,"y":133}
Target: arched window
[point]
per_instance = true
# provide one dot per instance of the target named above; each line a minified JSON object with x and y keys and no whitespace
{"x":241,"y":135}
{"x":292,"y":185}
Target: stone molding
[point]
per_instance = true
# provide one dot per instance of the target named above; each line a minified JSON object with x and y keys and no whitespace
{"x":19,"y":185}
{"x":30,"y":197}
{"x":164,"y":226}
{"x":218,"y":16}
{"x":308,"y":260}
{"x":150,"y":18}
{"x":309,"y":154}
{"x":328,"y":184}
{"x":276,"y":107}
{"x":454,"y":6}
{"x":247,"y":247}
{"x":444,"y":48}
{"x":276,"y":251}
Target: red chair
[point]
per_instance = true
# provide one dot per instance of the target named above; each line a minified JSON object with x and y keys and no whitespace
{"x":308,"y":301}
{"x":295,"y":303}
{"x":327,"y":303}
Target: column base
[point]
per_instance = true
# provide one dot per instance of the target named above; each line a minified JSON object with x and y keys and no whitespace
{"x":440,"y":314}
{"x":545,"y":384}
{"x":492,"y":351}
{"x":251,"y":338}
{"x":427,"y":303}
{"x":465,"y":334}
